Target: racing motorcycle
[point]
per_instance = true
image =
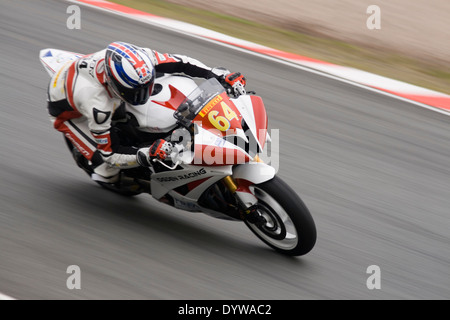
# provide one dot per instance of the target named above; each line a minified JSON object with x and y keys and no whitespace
{"x":215,"y":166}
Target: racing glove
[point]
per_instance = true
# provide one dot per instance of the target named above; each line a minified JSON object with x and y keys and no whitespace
{"x":160,"y":149}
{"x":236,"y":81}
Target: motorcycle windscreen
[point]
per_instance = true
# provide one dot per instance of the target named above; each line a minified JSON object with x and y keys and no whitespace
{"x":197,"y":100}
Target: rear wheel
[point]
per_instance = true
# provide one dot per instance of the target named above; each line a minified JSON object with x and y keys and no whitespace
{"x":289,"y":227}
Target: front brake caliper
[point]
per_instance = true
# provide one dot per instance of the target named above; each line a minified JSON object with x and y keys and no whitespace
{"x":252,"y":215}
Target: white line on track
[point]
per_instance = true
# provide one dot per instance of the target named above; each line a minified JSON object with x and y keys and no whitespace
{"x":275,"y":59}
{"x":5,"y":297}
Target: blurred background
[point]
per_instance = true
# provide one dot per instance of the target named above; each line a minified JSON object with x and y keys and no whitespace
{"x":373,"y":170}
{"x":411,"y":45}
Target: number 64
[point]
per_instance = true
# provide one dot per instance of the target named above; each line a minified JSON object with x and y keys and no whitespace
{"x":220,"y":122}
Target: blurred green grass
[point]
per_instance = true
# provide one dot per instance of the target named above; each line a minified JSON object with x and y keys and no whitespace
{"x":428,"y":74}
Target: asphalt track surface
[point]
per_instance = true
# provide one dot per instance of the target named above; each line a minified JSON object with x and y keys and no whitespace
{"x":373,"y":170}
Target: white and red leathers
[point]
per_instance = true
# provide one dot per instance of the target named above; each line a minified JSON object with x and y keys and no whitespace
{"x":81,"y":106}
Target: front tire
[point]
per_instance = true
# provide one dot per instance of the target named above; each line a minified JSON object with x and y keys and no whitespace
{"x":289,"y":226}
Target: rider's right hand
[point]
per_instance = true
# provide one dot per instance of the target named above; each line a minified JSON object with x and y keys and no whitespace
{"x":160,"y":150}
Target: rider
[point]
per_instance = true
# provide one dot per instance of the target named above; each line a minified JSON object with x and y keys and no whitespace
{"x":85,"y":94}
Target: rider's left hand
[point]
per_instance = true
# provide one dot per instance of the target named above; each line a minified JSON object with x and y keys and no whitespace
{"x":237,"y":82}
{"x":160,"y":149}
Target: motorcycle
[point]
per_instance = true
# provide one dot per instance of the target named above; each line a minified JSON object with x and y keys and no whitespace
{"x":215,"y":166}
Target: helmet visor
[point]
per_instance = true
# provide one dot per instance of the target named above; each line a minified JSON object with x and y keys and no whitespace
{"x":135,"y":96}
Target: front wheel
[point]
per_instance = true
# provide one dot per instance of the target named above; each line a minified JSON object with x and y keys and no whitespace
{"x":289,"y":227}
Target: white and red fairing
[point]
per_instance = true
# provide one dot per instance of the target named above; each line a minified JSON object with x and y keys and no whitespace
{"x":215,"y":155}
{"x":214,"y":146}
{"x":157,"y":116}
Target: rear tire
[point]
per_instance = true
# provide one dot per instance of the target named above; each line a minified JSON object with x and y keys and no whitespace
{"x":289,"y":227}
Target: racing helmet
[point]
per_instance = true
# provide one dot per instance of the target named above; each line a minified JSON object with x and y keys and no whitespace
{"x":129,"y":72}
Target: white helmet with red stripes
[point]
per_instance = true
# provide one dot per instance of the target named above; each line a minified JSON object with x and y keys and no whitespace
{"x":129,"y":72}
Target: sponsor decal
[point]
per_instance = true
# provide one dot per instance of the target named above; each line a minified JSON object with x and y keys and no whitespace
{"x":167,"y":179}
{"x":185,"y":176}
{"x":145,"y":78}
{"x":58,"y":74}
{"x":185,"y":205}
{"x":102,"y":140}
{"x":77,"y":145}
{"x":210,"y":105}
{"x":220,"y":142}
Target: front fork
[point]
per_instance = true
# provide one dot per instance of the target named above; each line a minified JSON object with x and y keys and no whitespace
{"x":241,"y":190}
{"x":244,"y":176}
{"x":246,"y":199}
